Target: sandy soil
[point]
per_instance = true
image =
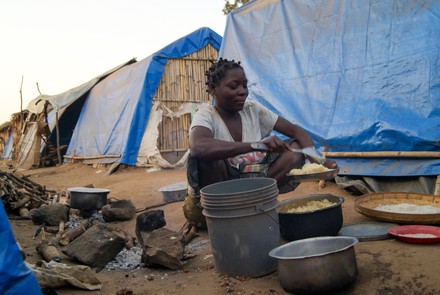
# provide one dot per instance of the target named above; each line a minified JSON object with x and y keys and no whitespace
{"x":385,"y":267}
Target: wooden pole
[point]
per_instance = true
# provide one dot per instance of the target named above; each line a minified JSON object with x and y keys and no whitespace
{"x":437,"y":186}
{"x":382,"y":154}
{"x":21,"y":102}
{"x":58,"y":139}
{"x":92,"y":157}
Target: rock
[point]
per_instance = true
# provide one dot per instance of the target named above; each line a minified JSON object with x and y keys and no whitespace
{"x":50,"y":214}
{"x":148,"y":221}
{"x":164,"y":247}
{"x":118,"y":211}
{"x":96,"y":247}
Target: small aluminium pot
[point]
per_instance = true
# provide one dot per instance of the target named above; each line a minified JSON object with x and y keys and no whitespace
{"x":320,"y":222}
{"x":84,"y":198}
{"x":315,"y":265}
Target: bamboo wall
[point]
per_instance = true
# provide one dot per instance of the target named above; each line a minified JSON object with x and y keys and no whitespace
{"x":183,"y":80}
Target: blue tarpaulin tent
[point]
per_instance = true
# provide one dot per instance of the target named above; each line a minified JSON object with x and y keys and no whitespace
{"x":67,"y":106}
{"x":115,"y":114}
{"x":360,"y":76}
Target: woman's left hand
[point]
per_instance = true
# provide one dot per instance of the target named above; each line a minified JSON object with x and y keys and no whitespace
{"x":330,"y":164}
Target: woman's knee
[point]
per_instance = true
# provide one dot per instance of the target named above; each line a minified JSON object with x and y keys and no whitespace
{"x":212,"y":172}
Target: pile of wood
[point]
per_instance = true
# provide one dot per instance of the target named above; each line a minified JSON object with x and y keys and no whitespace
{"x":19,"y":194}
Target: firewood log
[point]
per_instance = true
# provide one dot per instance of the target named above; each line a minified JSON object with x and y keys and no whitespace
{"x":71,"y":234}
{"x":23,"y":212}
{"x":20,"y":203}
{"x":49,"y":251}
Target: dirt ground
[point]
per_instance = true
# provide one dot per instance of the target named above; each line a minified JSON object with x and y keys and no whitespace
{"x":385,"y":267}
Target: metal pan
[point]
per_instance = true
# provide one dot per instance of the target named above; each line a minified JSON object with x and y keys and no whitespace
{"x":325,"y":175}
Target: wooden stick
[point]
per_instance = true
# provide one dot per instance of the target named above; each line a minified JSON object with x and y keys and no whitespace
{"x":92,"y":157}
{"x":151,"y":207}
{"x":58,"y":139}
{"x":20,"y":203}
{"x":437,"y":186}
{"x":21,"y":101}
{"x":382,"y":154}
{"x":72,"y":233}
{"x":49,"y":251}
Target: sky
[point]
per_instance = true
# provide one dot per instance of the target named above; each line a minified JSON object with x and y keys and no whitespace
{"x":60,"y":44}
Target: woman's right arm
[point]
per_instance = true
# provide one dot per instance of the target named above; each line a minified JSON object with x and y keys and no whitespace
{"x":202,"y":145}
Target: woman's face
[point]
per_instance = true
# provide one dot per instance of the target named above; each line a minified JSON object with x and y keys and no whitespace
{"x":231,"y":92}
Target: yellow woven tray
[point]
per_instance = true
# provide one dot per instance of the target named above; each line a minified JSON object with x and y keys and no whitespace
{"x":366,"y":204}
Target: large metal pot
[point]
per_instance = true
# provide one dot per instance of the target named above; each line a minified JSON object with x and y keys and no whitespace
{"x":321,"y":222}
{"x":85,"y":198}
{"x":319,"y":264}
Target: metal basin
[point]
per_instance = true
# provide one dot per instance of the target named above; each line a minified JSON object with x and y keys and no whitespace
{"x":301,"y":225}
{"x":84,"y":198}
{"x":319,"y":264}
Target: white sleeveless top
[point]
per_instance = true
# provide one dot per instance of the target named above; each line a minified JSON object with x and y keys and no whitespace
{"x":257,"y":122}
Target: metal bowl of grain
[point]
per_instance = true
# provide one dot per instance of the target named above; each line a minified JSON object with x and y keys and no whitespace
{"x":310,"y":216}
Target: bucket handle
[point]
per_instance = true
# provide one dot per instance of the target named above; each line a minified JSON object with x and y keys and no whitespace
{"x":259,"y":208}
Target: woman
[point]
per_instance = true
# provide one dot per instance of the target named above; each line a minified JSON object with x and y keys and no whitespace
{"x":225,"y":139}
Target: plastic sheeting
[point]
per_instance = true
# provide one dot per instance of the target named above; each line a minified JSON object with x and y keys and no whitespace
{"x":358,"y":75}
{"x":7,"y":151}
{"x":113,"y":120}
{"x":63,"y":100}
{"x":15,"y":276}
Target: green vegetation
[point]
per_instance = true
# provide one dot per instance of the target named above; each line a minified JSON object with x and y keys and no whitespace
{"x":229,"y":7}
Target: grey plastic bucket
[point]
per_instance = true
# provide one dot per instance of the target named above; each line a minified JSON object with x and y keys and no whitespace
{"x":242,"y":225}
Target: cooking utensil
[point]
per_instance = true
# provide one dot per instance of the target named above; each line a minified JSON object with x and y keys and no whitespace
{"x":84,"y":198}
{"x":367,"y":231}
{"x":420,"y":234}
{"x":325,"y":175}
{"x":321,"y":222}
{"x":319,"y":264}
{"x":311,"y":152}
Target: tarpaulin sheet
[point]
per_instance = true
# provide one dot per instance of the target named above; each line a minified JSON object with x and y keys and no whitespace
{"x":116,"y":111}
{"x":68,"y":97}
{"x":7,"y":152}
{"x":359,"y":75}
{"x":15,"y":276}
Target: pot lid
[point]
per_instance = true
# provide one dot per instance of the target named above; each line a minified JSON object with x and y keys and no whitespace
{"x":88,"y":190}
{"x":367,"y":231}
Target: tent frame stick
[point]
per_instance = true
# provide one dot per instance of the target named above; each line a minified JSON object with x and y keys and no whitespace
{"x":383,"y":154}
{"x":91,"y":157}
{"x":58,"y":139}
{"x":437,"y":186}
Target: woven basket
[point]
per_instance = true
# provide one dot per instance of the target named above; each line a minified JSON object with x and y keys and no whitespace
{"x":366,"y":204}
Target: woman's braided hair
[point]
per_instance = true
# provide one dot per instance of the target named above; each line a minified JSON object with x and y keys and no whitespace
{"x":217,"y":72}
